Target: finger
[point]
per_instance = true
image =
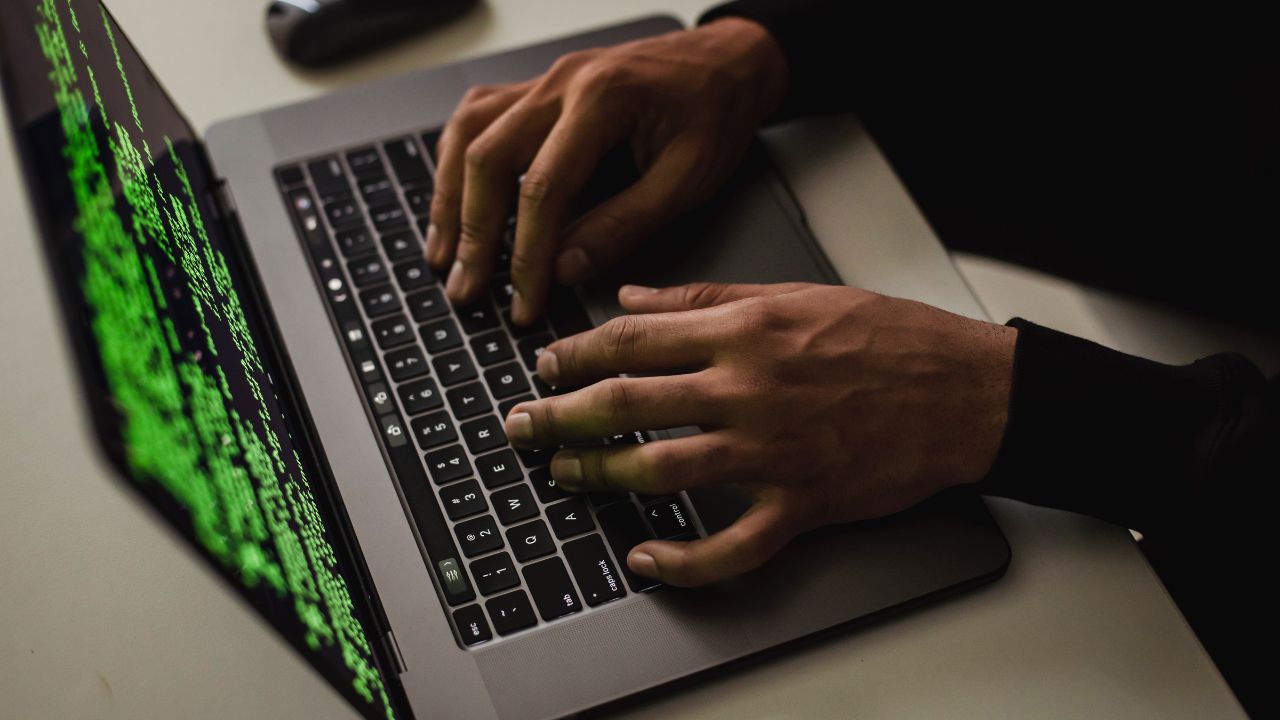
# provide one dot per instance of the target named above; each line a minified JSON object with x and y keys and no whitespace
{"x":559,"y":171}
{"x":611,"y":230}
{"x":631,"y":343}
{"x":637,"y":299}
{"x":657,"y":467}
{"x":493,"y":161}
{"x":613,"y":406}
{"x":745,"y":545}
{"x":478,"y":109}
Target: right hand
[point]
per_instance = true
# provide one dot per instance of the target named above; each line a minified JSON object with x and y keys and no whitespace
{"x":687,"y":102}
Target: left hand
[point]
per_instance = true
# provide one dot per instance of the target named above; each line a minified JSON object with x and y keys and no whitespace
{"x":828,"y":403}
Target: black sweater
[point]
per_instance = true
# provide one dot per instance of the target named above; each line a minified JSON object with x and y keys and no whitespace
{"x":1131,"y":149}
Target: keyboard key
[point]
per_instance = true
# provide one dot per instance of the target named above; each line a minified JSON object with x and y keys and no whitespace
{"x":510,"y":612}
{"x":448,"y":464}
{"x":401,"y":246}
{"x":413,"y":275}
{"x":515,"y":504}
{"x":393,"y":429}
{"x":502,"y":291}
{"x":431,"y":140}
{"x":506,"y":380}
{"x":434,"y":430}
{"x":498,"y":469}
{"x":387,"y":216}
{"x":624,"y":529}
{"x":418,"y":199}
{"x":491,"y":347}
{"x":290,"y":175}
{"x":367,"y":271}
{"x":366,"y":366}
{"x":343,"y":212}
{"x":365,"y":162}
{"x":406,"y":160}
{"x":427,"y":305}
{"x":530,"y":541}
{"x":522,"y":331}
{"x":545,"y":485}
{"x":478,"y":536}
{"x":454,"y":368}
{"x":669,"y":519}
{"x":570,"y":518}
{"x":566,"y":313}
{"x":328,"y":176}
{"x":469,"y":400}
{"x":535,"y":457}
{"x":594,"y":570}
{"x":354,"y":241}
{"x":600,"y":498}
{"x":463,"y":500}
{"x":420,"y":396}
{"x":377,"y":190}
{"x":531,"y":347}
{"x":393,"y":331}
{"x":494,"y":573}
{"x":551,"y":589}
{"x":477,"y":318}
{"x":472,"y":627}
{"x":379,"y":301}
{"x":308,"y":218}
{"x":484,"y":434}
{"x":380,"y":399}
{"x":504,"y":407}
{"x":406,"y":363}
{"x":441,"y":335}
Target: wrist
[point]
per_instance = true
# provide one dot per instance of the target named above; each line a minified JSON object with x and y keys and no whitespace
{"x":756,"y":60}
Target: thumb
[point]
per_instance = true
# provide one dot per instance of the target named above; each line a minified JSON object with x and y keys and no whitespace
{"x":637,"y":299}
{"x":745,"y":545}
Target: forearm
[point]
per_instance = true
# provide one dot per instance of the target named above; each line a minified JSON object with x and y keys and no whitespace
{"x":1153,"y":447}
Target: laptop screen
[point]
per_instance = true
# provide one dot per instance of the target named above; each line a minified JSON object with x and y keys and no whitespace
{"x":185,"y":395}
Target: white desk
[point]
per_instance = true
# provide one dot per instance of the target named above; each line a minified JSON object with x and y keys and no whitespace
{"x":103,"y":614}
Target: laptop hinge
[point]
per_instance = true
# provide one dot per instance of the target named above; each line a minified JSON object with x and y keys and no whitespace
{"x":223,"y":203}
{"x":393,"y":652}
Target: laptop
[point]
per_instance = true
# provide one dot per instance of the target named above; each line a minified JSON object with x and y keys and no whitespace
{"x":268,"y":362}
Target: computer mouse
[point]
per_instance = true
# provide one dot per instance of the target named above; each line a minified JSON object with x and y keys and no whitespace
{"x":316,"y":33}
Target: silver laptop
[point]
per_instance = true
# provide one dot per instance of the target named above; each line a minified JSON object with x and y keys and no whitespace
{"x":267,"y":360}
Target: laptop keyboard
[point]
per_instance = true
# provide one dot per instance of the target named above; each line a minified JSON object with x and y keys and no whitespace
{"x":509,"y":549}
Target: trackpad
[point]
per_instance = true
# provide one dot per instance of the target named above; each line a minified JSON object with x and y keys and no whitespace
{"x":750,"y":232}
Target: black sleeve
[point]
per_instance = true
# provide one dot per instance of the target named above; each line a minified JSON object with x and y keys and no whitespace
{"x":813,"y":36}
{"x":1154,"y":447}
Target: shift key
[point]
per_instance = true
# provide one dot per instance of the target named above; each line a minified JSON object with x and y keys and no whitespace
{"x":594,"y":570}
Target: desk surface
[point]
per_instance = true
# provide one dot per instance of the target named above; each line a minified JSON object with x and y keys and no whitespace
{"x":104,"y":614}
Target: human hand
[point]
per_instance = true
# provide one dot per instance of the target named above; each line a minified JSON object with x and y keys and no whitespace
{"x":828,"y":403}
{"x":687,"y":102}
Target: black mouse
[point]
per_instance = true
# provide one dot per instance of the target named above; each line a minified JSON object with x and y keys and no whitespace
{"x":323,"y":32}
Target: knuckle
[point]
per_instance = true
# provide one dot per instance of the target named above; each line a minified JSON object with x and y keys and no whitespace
{"x":701,"y":294}
{"x":658,"y":467}
{"x":619,"y":397}
{"x":470,"y":236}
{"x":535,"y":187}
{"x":523,"y":266}
{"x":620,"y":336}
{"x":478,"y":157}
{"x":594,"y":470}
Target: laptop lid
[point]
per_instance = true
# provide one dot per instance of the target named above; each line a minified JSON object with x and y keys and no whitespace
{"x":186,"y":389}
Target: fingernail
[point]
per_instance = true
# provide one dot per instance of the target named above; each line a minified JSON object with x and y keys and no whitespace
{"x":431,"y":240}
{"x":643,"y":563}
{"x":566,"y":469}
{"x":453,"y":287}
{"x":637,"y":290}
{"x":517,"y":307}
{"x":549,"y":367}
{"x":573,"y":266}
{"x":520,"y":428}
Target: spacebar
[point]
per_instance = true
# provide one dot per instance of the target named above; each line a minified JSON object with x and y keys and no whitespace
{"x":432,"y":528}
